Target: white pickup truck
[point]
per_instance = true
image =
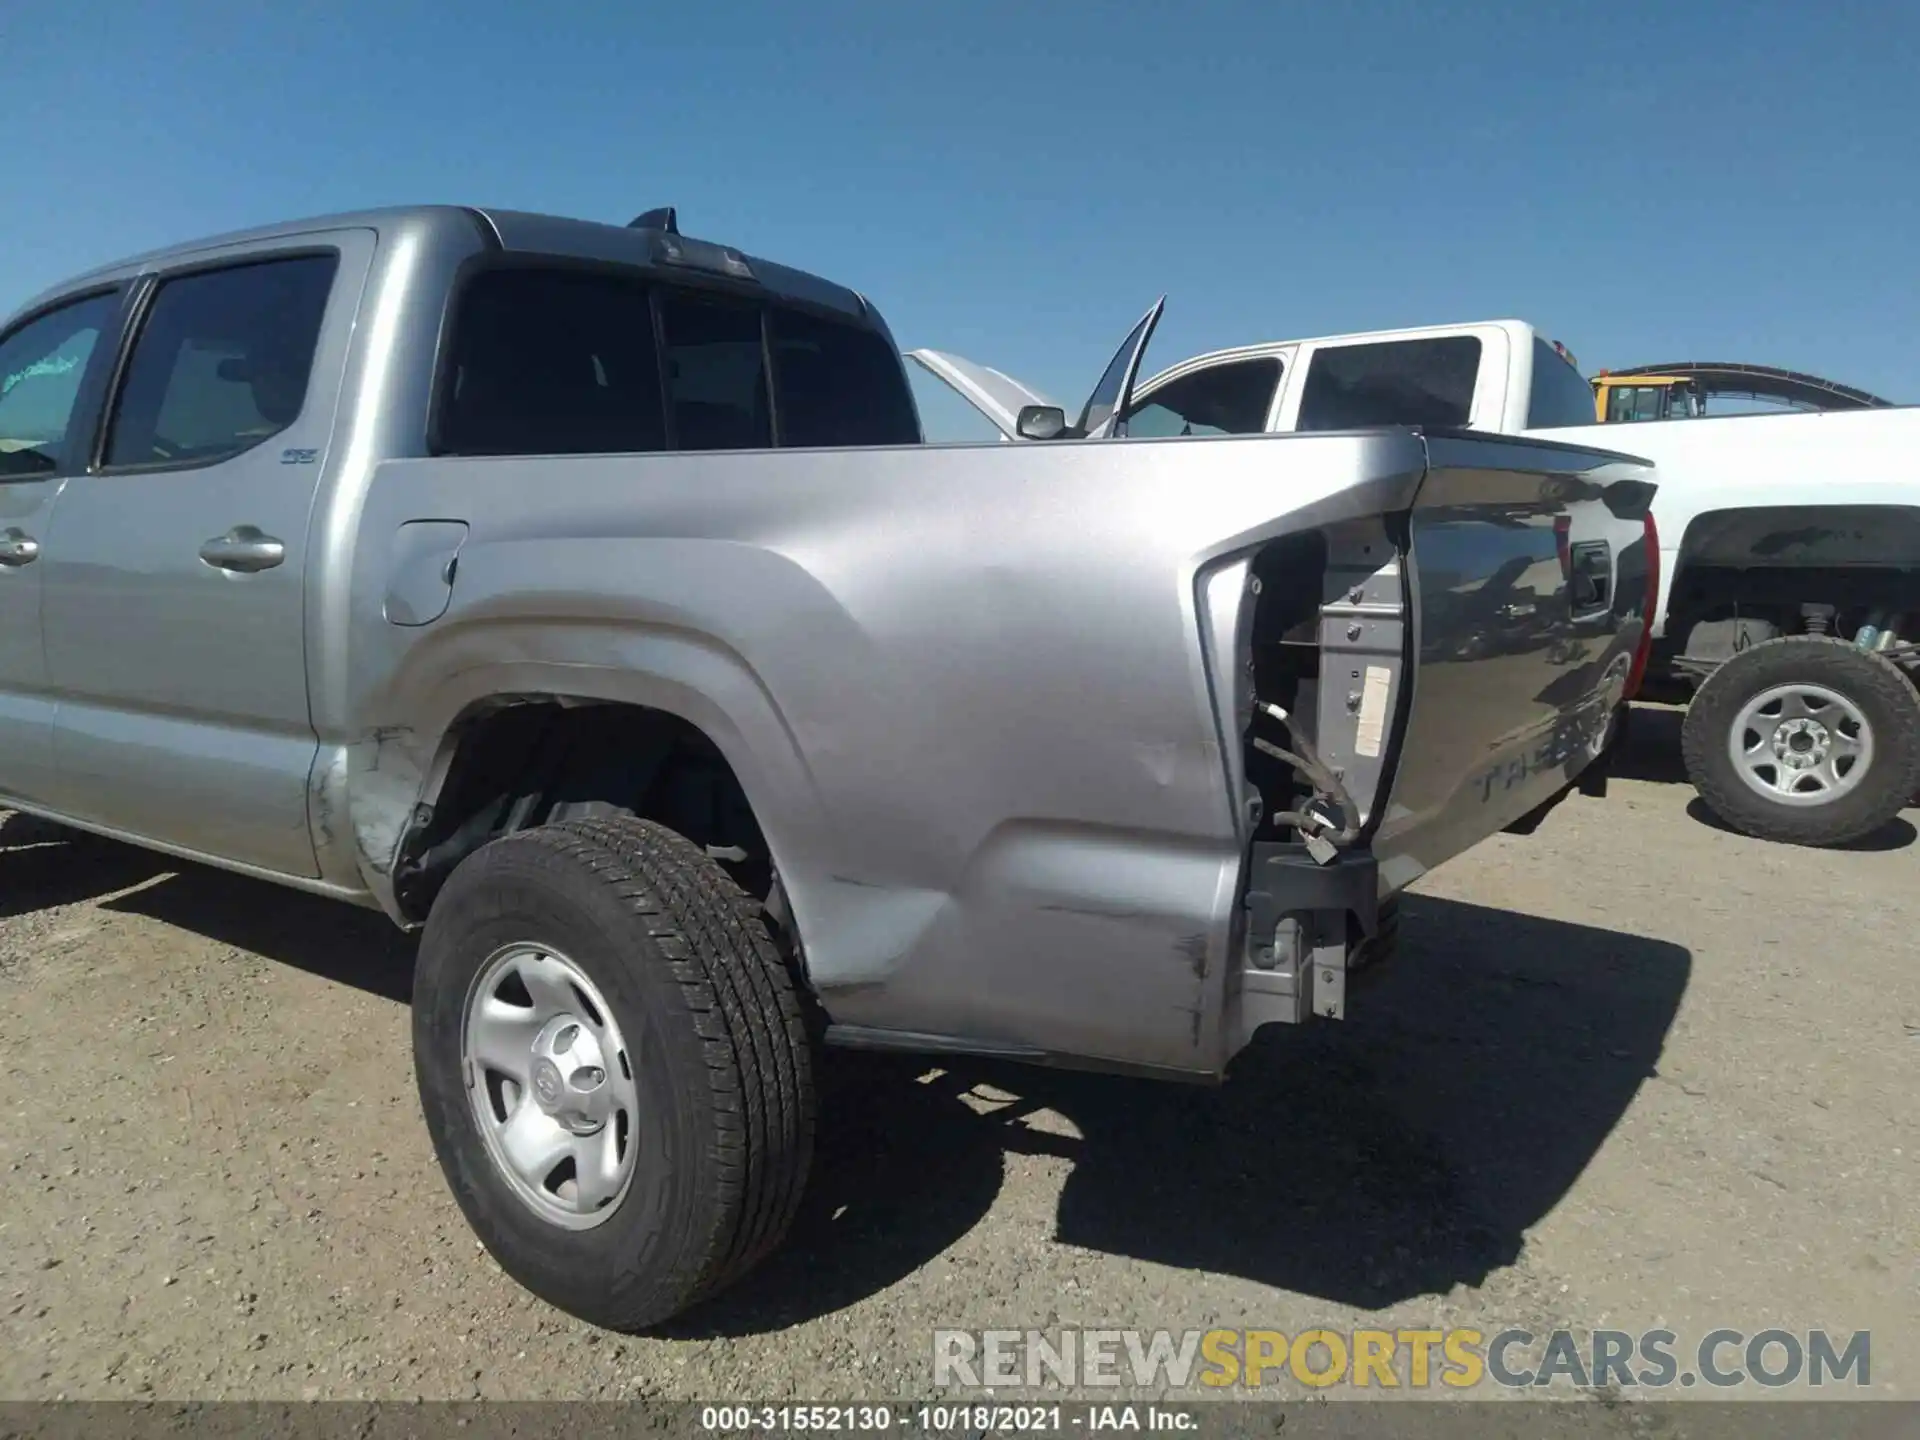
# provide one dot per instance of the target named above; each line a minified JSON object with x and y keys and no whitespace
{"x":1789,"y":580}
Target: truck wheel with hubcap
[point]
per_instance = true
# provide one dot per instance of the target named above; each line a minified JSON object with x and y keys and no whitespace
{"x":613,"y":1066}
{"x":1805,"y":739}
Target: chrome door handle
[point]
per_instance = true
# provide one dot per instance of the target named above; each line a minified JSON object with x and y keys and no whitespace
{"x":17,"y":547}
{"x":243,"y":549}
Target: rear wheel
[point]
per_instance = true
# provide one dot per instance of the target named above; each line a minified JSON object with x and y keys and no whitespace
{"x":1806,"y":739}
{"x":613,"y":1067}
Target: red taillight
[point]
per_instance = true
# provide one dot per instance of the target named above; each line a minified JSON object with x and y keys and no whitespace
{"x":1645,"y":650}
{"x":1563,"y":544}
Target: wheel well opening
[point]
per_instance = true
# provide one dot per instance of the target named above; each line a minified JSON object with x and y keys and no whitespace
{"x":1742,"y":573}
{"x":533,"y":761}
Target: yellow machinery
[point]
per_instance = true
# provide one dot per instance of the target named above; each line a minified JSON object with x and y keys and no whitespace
{"x":1646,"y":397}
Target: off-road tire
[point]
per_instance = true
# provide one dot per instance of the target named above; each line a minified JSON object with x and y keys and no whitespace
{"x":721,"y":1059}
{"x":1871,"y":682}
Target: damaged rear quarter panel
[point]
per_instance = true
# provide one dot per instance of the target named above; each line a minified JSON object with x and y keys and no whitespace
{"x":965,"y":689}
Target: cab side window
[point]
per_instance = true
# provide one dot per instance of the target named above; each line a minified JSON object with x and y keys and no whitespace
{"x":221,"y":363}
{"x":552,"y":362}
{"x":838,"y":384}
{"x":41,"y":366}
{"x":1635,"y":402}
{"x":1392,"y":382}
{"x":1231,"y":398}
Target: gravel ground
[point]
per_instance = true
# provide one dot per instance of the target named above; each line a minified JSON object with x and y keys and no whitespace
{"x":1630,"y":1071}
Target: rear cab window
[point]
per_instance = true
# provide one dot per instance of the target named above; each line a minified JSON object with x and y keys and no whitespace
{"x":1426,"y":381}
{"x":557,"y":360}
{"x":1561,"y":396}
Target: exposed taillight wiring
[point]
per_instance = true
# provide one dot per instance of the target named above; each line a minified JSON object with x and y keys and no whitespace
{"x":1323,"y":837}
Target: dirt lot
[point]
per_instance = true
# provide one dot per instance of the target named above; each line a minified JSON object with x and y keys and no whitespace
{"x":1630,"y":1071}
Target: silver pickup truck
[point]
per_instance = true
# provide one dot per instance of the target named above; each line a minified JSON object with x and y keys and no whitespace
{"x":586,"y":596}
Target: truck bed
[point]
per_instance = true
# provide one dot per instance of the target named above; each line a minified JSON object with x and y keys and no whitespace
{"x":1834,"y":460}
{"x":991,"y":705}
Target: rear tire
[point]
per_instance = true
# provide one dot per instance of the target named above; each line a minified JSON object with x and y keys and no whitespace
{"x":1768,"y":734}
{"x":697,"y":1026}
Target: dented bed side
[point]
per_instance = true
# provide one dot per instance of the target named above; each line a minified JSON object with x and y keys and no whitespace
{"x":990,"y":705}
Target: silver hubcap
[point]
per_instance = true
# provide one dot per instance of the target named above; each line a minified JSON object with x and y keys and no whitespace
{"x":1801,"y":745}
{"x":551,"y":1084}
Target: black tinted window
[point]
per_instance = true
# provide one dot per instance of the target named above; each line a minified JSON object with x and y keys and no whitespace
{"x":1392,"y":382}
{"x":1227,"y":399}
{"x":1561,"y":395}
{"x":551,"y":362}
{"x":41,"y":367}
{"x":222,"y":362}
{"x":716,"y":375}
{"x":559,"y":361}
{"x":838,"y":385}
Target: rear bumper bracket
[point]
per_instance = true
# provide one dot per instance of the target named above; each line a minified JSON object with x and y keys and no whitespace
{"x":1296,"y":952}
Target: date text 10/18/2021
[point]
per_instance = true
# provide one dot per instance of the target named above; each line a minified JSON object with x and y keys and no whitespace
{"x":956,"y":1419}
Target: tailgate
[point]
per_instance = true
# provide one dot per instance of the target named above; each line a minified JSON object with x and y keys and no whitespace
{"x":1527,"y":581}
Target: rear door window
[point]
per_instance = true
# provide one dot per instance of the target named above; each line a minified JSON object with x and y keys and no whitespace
{"x":41,"y":366}
{"x":1231,"y":398}
{"x":838,"y":384}
{"x":1428,"y":382}
{"x":716,"y":374}
{"x":222,"y":362}
{"x":552,"y":362}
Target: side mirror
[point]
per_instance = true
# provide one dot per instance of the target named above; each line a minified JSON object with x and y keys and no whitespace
{"x":1041,"y":422}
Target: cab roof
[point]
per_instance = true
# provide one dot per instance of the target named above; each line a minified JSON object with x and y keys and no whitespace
{"x":507,"y":230}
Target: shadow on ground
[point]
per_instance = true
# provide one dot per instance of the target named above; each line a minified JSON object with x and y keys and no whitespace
{"x":1897,"y":834}
{"x":1651,"y":752}
{"x":1391,"y":1155}
{"x":48,"y":865}
{"x":336,"y":942}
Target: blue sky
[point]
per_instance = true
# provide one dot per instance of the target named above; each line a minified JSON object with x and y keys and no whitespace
{"x":1018,"y":182}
